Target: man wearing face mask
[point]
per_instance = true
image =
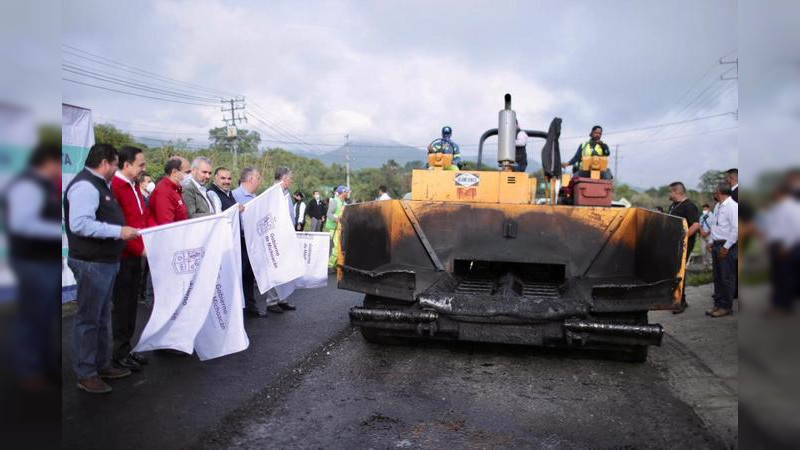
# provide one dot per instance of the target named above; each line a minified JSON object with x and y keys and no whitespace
{"x":146,"y":187}
{"x":316,"y":210}
{"x":166,"y":203}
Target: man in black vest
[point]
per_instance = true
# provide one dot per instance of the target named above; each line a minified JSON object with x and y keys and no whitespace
{"x":219,"y":192}
{"x":95,"y":229}
{"x":732,"y":178}
{"x":316,"y":209}
{"x":32,"y":218}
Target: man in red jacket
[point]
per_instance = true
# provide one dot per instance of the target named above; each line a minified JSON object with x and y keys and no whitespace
{"x":166,"y":203}
{"x":126,"y":286}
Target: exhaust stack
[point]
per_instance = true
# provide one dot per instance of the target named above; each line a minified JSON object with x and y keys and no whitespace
{"x":506,"y":136}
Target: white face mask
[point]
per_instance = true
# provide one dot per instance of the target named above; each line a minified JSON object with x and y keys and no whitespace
{"x":316,"y":196}
{"x":186,"y":181}
{"x":150,"y":187}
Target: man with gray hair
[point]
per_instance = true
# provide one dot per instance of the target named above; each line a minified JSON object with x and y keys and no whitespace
{"x":723,"y":244}
{"x":194,"y":192}
{"x":248,"y":184}
{"x":283,"y":177}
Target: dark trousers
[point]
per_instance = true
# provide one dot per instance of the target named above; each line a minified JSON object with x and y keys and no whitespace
{"x":248,"y":280}
{"x":125,"y":303}
{"x":95,"y":282}
{"x":689,"y":247}
{"x":37,"y":337}
{"x":724,"y":276}
{"x":785,"y":277}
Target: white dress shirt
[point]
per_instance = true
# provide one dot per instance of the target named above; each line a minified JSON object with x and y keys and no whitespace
{"x":783,"y":223}
{"x":136,"y":192}
{"x":725,"y":225}
{"x":522,"y":139}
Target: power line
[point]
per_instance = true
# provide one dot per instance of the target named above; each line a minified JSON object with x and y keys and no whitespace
{"x":137,"y":86}
{"x":135,"y":94}
{"x":93,"y":57}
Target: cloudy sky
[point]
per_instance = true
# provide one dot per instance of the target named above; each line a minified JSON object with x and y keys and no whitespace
{"x":315,"y":71}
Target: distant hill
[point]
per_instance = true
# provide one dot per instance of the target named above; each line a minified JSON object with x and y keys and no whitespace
{"x":364,"y":154}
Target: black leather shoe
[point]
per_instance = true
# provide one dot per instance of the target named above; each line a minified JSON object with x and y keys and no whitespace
{"x":681,"y":308}
{"x":127,"y":363}
{"x":139,"y":358}
{"x":255,"y":313}
{"x":286,"y":306}
{"x":275,"y":309}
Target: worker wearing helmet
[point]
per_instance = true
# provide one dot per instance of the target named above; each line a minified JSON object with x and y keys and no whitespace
{"x":335,"y":211}
{"x":447,"y":146}
{"x":593,"y":147}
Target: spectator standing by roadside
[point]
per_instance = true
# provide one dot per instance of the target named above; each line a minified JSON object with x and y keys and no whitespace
{"x":248,"y":184}
{"x":732,"y":178}
{"x":706,"y":219}
{"x":194,"y":191}
{"x":127,"y":284}
{"x":219,"y":192}
{"x":299,"y":211}
{"x":722,"y":242}
{"x":316,"y":210}
{"x":682,"y":206}
{"x":383,"y":193}
{"x":32,"y":220}
{"x":782,"y":233}
{"x":96,"y":233}
{"x":146,"y":187}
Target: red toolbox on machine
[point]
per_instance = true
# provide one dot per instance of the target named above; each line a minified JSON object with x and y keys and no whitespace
{"x":589,"y":192}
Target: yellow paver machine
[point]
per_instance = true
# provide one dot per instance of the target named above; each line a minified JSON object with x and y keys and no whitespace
{"x":472,"y":257}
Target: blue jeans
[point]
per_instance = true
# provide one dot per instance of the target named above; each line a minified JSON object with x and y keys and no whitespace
{"x":90,"y":343}
{"x":36,"y":337}
{"x":725,"y":272}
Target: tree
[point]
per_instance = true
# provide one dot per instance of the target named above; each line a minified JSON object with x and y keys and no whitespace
{"x":105,"y":133}
{"x":246,"y":142}
{"x":710,"y":179}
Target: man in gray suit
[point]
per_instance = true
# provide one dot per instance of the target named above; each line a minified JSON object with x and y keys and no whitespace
{"x":194,"y":192}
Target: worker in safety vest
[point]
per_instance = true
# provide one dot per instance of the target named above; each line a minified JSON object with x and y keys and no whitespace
{"x":335,"y":210}
{"x":593,"y":147}
{"x":447,"y":146}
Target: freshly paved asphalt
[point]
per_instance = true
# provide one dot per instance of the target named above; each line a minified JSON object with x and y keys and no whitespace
{"x":309,"y":381}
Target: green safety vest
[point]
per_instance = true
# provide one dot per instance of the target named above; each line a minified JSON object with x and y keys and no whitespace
{"x":329,"y":224}
{"x":587,"y":151}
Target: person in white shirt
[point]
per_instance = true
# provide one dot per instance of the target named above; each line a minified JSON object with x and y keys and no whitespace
{"x":723,"y":244}
{"x":299,"y":211}
{"x":706,"y":219}
{"x":781,"y":230}
{"x":383,"y":193}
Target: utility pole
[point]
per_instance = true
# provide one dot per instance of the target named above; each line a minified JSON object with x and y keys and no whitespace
{"x":347,"y":157}
{"x":726,"y":77}
{"x":236,"y":104}
{"x":616,"y":162}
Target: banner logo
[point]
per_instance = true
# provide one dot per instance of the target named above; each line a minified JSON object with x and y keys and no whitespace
{"x":467,"y":179}
{"x":266,"y":224}
{"x":187,"y":261}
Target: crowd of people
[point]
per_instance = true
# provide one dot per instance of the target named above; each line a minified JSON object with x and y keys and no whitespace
{"x":111,"y":199}
{"x":719,"y":234}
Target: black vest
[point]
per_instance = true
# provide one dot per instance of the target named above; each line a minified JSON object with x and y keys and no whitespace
{"x":32,"y":247}
{"x":226,"y":200}
{"x":108,"y":211}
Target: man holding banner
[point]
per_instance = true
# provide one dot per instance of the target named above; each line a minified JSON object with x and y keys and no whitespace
{"x":246,"y":192}
{"x":96,"y":234}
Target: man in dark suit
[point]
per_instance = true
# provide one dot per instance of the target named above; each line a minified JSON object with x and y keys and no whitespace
{"x":732,"y":178}
{"x":194,"y":192}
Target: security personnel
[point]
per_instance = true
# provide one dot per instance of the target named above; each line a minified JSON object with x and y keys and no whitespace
{"x":447,"y":146}
{"x":593,"y":147}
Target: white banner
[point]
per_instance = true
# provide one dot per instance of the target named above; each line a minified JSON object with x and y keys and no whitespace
{"x":223,"y":331}
{"x":315,"y":249}
{"x":185,"y":259}
{"x":77,"y":137}
{"x":271,"y":240}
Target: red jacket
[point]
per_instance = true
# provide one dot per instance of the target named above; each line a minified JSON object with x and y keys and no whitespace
{"x":166,"y":204}
{"x":135,"y":215}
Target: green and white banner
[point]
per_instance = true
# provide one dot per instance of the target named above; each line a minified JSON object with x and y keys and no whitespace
{"x":77,"y":137}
